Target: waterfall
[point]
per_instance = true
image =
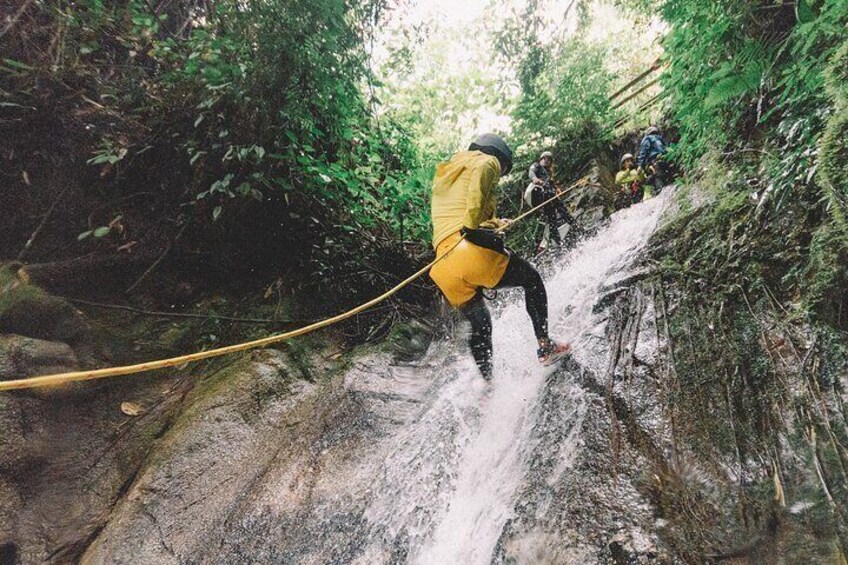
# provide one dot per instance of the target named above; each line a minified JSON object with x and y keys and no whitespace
{"x":452,"y":475}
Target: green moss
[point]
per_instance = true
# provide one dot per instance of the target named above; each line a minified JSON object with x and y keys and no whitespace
{"x":406,"y":341}
{"x":833,"y":167}
{"x":826,"y":276}
{"x":28,"y":310}
{"x":836,"y":76}
{"x":833,"y":150}
{"x":301,"y":351}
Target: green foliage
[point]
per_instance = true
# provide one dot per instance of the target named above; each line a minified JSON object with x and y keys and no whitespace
{"x":833,"y":149}
{"x":760,"y":86}
{"x":246,"y":118}
{"x":290,"y":83}
{"x":836,"y":76}
{"x":439,"y":101}
{"x":108,"y":154}
{"x":834,"y":167}
{"x":741,"y":73}
{"x":564,"y":104}
{"x":96,"y":233}
{"x":715,"y":68}
{"x":569,"y":92}
{"x":826,"y":277}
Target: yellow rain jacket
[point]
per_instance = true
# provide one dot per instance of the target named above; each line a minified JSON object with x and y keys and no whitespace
{"x":464,"y":196}
{"x":627,"y":177}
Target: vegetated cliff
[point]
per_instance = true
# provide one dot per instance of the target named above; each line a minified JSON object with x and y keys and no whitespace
{"x":216,"y":142}
{"x":742,"y":414}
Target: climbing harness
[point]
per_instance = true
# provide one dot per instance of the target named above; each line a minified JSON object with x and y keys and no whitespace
{"x":73,"y":376}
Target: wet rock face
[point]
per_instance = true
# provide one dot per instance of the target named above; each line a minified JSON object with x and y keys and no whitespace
{"x":11,"y":503}
{"x":22,"y":442}
{"x":397,"y":460}
{"x":261,"y":467}
{"x":709,"y":495}
{"x":592,"y":216}
{"x":65,"y":452}
{"x":408,"y":342}
{"x":64,"y":458}
{"x":579,"y":503}
{"x":234,"y":425}
{"x":402,"y":462}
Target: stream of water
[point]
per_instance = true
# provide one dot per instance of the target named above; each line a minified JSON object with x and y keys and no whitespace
{"x":450,"y":481}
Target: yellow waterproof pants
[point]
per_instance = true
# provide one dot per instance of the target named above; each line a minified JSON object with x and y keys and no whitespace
{"x":466,"y":269}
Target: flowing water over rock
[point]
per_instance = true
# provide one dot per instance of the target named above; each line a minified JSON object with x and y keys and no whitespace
{"x":419,"y":463}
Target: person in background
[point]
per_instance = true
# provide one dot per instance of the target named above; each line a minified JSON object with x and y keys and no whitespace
{"x":542,"y":189}
{"x":471,"y":252}
{"x":651,"y":150}
{"x":540,"y":173}
{"x":631,"y":180}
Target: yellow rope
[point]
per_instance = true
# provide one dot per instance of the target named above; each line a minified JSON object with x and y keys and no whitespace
{"x":62,"y":378}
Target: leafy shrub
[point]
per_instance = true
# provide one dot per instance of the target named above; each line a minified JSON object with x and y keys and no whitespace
{"x":833,"y":150}
{"x":245,"y":118}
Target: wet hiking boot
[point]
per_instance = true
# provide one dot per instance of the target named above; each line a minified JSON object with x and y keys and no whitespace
{"x":552,"y":352}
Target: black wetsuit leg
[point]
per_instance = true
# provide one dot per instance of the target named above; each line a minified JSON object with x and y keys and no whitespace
{"x":638,"y":195}
{"x":478,"y":315}
{"x":555,"y":212}
{"x":563,"y":215}
{"x":520,"y":273}
{"x":552,"y":217}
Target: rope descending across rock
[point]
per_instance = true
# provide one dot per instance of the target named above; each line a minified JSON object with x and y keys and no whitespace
{"x":73,"y":376}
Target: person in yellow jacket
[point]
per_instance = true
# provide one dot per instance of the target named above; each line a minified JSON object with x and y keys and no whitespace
{"x":472,"y":253}
{"x":632,"y":180}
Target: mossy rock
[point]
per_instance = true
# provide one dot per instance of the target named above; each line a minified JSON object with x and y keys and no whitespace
{"x":25,"y":356}
{"x":408,"y":342}
{"x":27,"y":310}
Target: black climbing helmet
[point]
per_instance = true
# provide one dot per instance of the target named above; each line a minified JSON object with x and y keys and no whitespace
{"x":494,"y":145}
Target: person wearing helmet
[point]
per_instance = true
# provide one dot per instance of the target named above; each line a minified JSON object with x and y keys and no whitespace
{"x":471,"y":252}
{"x":651,"y":147}
{"x":540,"y":170}
{"x":651,"y":150}
{"x":541,"y":189}
{"x":631,"y":180}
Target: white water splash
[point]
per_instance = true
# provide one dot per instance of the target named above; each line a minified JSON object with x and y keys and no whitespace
{"x":448,"y":484}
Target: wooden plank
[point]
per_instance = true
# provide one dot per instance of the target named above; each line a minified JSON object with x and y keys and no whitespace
{"x":636,"y":80}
